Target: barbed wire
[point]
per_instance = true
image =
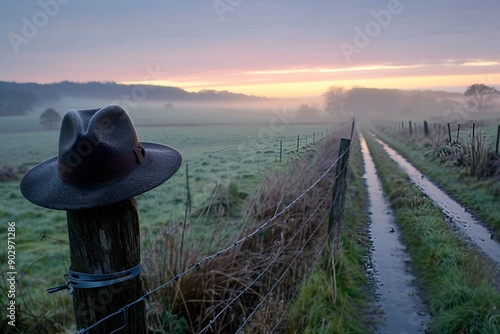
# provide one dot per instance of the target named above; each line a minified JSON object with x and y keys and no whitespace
{"x":298,"y":253}
{"x":268,"y":222}
{"x":312,"y":266}
{"x":318,"y":255}
{"x":277,"y":256}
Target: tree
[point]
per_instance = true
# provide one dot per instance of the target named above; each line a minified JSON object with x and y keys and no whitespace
{"x":334,"y":100}
{"x":480,"y":96}
{"x":50,"y":118}
{"x":308,"y":110}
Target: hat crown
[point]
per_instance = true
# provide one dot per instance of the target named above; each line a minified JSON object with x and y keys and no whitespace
{"x":97,"y":145}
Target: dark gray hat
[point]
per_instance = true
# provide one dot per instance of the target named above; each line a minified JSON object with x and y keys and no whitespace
{"x":100,"y":162}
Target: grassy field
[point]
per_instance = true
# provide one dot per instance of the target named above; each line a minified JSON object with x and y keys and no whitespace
{"x":223,"y":157}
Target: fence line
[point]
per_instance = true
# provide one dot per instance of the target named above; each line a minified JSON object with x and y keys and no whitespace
{"x":123,"y":311}
{"x":270,"y":264}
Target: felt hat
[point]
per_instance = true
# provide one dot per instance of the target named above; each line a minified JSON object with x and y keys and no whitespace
{"x":101,"y":161}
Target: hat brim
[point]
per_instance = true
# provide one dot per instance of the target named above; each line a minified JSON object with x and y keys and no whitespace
{"x":41,"y":185}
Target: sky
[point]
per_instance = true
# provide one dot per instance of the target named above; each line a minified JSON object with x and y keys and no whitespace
{"x":274,"y":48}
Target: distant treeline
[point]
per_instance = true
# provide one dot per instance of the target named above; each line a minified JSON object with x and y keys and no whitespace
{"x":17,"y":102}
{"x":375,"y":102}
{"x":19,"y":98}
{"x":378,"y":102}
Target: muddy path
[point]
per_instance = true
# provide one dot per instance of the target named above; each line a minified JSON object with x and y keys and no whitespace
{"x":397,"y":295}
{"x":458,"y":216}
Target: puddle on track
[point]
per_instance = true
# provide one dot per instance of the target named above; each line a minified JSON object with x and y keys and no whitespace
{"x":397,"y":294}
{"x":468,"y":225}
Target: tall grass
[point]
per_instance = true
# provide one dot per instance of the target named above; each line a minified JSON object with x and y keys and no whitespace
{"x":336,"y":297}
{"x":251,"y":270}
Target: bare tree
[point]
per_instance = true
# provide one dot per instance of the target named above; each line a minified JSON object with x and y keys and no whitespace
{"x":50,"y":118}
{"x":309,"y":110}
{"x":480,"y":96}
{"x":334,"y":100}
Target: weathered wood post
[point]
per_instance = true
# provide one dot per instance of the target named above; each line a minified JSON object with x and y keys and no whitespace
{"x":298,"y":142}
{"x":449,"y":132}
{"x":473,"y":130}
{"x":281,"y":150}
{"x":106,"y":241}
{"x":100,"y":168}
{"x":353,"y":125}
{"x":458,"y":132}
{"x":498,"y":139}
{"x":340,"y":185}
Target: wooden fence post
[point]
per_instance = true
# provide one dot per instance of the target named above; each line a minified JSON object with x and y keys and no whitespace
{"x":449,"y":132}
{"x":298,"y":142}
{"x":352,"y":127}
{"x":458,"y":132}
{"x":498,"y":139}
{"x":106,"y":240}
{"x":281,"y":149}
{"x":340,"y":186}
{"x":409,"y":124}
{"x":473,"y":130}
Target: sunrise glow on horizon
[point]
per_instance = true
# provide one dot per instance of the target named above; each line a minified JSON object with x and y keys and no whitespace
{"x":311,"y":82}
{"x":283,"y":48}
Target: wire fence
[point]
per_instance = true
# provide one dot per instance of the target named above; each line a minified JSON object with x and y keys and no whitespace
{"x":122,"y":311}
{"x":298,"y":251}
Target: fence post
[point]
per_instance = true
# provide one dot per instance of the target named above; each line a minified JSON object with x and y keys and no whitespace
{"x":409,"y":124}
{"x":352,"y":127}
{"x":473,"y":130}
{"x":498,"y":139}
{"x":298,"y":142}
{"x":340,"y":185}
{"x":449,"y":132}
{"x":458,"y":132}
{"x":105,"y":240}
{"x":281,"y":149}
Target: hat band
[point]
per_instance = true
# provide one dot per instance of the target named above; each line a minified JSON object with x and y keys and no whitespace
{"x":97,"y":172}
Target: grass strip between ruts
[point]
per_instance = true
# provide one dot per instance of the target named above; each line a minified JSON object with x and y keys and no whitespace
{"x":456,"y":282}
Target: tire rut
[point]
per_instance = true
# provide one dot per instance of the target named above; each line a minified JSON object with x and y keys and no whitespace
{"x":397,"y":295}
{"x":458,"y":216}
